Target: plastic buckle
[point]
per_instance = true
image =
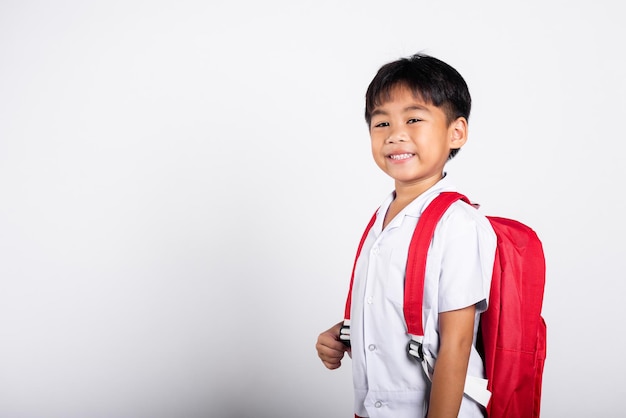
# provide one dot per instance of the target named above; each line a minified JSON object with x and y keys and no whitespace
{"x":415,"y":351}
{"x":344,"y":335}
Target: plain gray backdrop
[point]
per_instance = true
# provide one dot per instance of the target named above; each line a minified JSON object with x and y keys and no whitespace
{"x":183,"y":185}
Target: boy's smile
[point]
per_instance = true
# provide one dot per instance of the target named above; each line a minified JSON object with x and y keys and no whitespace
{"x":400,"y":157}
{"x":412,"y":139}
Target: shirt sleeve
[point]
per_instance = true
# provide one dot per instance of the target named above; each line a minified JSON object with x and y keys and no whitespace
{"x":467,"y":255}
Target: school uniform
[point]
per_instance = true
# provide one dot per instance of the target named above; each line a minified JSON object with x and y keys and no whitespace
{"x":387,"y":382}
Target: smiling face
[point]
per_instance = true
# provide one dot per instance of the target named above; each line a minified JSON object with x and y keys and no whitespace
{"x":411,"y":139}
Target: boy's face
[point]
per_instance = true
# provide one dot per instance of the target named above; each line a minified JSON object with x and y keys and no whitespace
{"x":411,"y":139}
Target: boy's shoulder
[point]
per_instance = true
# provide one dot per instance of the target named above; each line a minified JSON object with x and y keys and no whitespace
{"x":462,"y":218}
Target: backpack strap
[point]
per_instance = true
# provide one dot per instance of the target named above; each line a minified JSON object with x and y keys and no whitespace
{"x":416,"y":262}
{"x":416,"y":268}
{"x":475,"y":387}
{"x":344,"y":334}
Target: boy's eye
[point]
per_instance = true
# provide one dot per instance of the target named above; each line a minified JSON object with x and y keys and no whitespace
{"x":413,"y":120}
{"x":381,"y":124}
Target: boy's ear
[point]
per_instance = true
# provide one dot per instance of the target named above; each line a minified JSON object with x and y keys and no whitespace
{"x":458,"y":133}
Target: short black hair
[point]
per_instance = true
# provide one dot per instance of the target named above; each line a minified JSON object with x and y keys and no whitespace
{"x":429,"y":78}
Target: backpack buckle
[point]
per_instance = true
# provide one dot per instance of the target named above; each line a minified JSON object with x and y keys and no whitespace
{"x":415,"y":349}
{"x":344,"y":335}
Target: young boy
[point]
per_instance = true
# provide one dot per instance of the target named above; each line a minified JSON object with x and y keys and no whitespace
{"x":417,"y":110}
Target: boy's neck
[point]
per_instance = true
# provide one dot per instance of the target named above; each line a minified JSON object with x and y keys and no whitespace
{"x":406,"y":193}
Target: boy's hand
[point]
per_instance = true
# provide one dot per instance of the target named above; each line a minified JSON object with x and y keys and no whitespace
{"x":329,"y":348}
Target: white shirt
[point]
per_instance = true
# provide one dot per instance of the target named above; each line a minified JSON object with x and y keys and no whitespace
{"x":387,"y":383}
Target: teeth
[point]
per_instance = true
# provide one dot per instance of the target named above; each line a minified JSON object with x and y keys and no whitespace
{"x":400,"y":156}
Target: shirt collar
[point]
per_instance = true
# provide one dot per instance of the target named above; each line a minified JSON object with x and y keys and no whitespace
{"x":413,"y":209}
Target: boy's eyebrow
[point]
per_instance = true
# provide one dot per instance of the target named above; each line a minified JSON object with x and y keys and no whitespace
{"x":416,"y":107}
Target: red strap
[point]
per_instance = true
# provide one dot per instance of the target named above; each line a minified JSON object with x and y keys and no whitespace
{"x":358,"y":252}
{"x":416,"y":262}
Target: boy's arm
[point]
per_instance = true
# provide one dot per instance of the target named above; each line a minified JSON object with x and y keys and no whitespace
{"x":329,"y":348}
{"x":456,"y":330}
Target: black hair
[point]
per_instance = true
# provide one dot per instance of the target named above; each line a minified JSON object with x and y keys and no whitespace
{"x":429,"y":78}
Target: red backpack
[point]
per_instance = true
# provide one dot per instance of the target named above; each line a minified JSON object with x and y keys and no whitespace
{"x":512,"y":331}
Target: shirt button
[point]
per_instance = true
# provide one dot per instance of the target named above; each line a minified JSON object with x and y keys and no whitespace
{"x":370,"y":300}
{"x":375,"y":250}
{"x":371,"y":347}
{"x":378,"y":404}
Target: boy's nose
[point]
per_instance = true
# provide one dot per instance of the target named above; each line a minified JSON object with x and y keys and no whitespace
{"x":397,"y":136}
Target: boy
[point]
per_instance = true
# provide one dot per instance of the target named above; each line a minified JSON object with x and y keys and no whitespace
{"x":417,"y":110}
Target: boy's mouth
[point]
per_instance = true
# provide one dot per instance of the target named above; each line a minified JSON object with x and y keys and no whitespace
{"x":399,"y":157}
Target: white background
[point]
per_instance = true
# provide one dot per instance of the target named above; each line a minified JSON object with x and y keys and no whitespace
{"x":183,"y":186}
